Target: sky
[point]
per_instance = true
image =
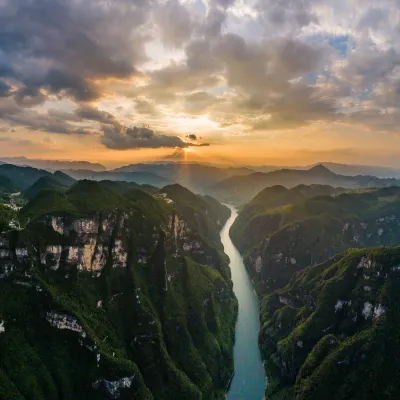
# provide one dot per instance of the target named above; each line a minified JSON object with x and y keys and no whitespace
{"x":278,"y":82}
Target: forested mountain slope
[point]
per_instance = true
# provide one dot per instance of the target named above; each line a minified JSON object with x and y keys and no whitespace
{"x":283,"y":236}
{"x":333,"y":332}
{"x":105,"y":296}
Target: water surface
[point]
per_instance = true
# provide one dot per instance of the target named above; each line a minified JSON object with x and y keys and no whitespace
{"x":249,"y":379}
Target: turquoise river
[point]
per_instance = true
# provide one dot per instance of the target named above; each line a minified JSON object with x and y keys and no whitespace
{"x":249,"y":380}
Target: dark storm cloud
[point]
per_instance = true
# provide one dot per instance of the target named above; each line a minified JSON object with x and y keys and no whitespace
{"x":64,"y":45}
{"x":119,"y":137}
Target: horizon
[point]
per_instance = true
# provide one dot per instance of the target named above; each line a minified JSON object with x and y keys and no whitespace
{"x":18,"y":160}
{"x":217,"y":81}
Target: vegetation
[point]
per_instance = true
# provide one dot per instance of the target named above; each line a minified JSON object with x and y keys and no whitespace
{"x":147,"y":313}
{"x":332,"y":333}
{"x":45,"y":182}
{"x":282,"y":231}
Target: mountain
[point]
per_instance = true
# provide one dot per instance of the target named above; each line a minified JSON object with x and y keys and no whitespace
{"x":109,"y":296}
{"x":349,"y":169}
{"x":332,"y":333}
{"x":22,"y":177}
{"x":52,"y":165}
{"x":58,"y":180}
{"x":45,"y":182}
{"x":194,"y":176}
{"x":241,"y":189}
{"x":141,"y":178}
{"x":283,"y":238}
{"x":121,"y":187}
{"x":63,"y":178}
{"x":342,"y":169}
{"x":7,"y":185}
{"x":250,"y":226}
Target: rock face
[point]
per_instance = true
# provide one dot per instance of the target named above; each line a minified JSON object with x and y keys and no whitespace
{"x":127,"y":300}
{"x":279,"y":241}
{"x":331,"y":339}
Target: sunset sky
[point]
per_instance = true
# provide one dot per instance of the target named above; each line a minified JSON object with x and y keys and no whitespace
{"x":284,"y":82}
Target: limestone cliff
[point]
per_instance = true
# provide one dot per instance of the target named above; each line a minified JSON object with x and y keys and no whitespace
{"x":111,"y":296}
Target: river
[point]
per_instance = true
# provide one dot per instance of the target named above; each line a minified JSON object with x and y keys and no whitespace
{"x":249,"y":381}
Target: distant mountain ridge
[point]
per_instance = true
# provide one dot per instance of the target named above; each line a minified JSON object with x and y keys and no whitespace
{"x":195,"y":176}
{"x":52,"y":165}
{"x":241,"y":189}
{"x":23,"y":177}
{"x":338,"y":168}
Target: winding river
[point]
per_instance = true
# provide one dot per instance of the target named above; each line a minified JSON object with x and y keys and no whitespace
{"x":249,"y":381}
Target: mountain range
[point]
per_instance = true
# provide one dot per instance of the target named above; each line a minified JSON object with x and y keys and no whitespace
{"x":241,"y":189}
{"x":52,"y":165}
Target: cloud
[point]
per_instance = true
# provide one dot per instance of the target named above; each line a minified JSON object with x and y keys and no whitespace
{"x":146,"y":107}
{"x":16,"y":142}
{"x":239,"y":66}
{"x":33,"y":120}
{"x":174,"y":22}
{"x":29,"y":97}
{"x":177,"y":155}
{"x":91,"y":113}
{"x":287,"y":15}
{"x":62,"y":46}
{"x":5,"y":89}
{"x":119,"y":137}
{"x":192,"y":136}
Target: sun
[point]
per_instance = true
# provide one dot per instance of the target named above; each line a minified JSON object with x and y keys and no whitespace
{"x":187,"y":150}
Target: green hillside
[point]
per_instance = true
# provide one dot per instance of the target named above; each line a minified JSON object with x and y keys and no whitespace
{"x":45,"y":182}
{"x":278,"y":241}
{"x":108,"y":296}
{"x":332,"y":333}
{"x":7,"y":185}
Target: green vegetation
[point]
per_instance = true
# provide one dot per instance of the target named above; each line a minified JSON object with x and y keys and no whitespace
{"x":332,"y":333}
{"x":45,"y":182}
{"x":282,"y":231}
{"x":7,"y":185}
{"x":144,"y":282}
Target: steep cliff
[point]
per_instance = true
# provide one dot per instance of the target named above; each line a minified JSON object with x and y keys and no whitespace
{"x":286,"y":235}
{"x":332,"y":333}
{"x":106,"y":296}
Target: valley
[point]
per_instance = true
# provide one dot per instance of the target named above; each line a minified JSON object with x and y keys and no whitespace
{"x":165,"y":293}
{"x":199,"y":200}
